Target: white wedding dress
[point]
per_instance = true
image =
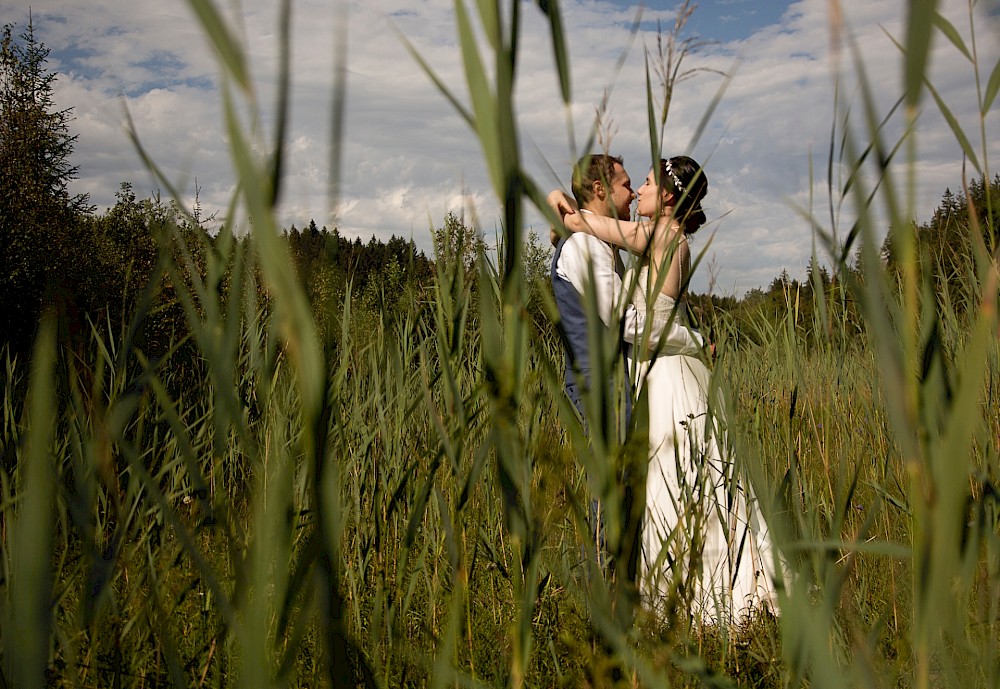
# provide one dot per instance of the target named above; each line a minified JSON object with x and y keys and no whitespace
{"x":704,"y":543}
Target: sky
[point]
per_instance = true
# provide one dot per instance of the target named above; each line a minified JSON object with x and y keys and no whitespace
{"x":408,"y":158}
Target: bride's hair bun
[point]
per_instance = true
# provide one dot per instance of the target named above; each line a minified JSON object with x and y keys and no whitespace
{"x":686,"y":180}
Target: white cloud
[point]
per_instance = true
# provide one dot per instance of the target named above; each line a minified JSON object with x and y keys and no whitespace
{"x":409,"y":158}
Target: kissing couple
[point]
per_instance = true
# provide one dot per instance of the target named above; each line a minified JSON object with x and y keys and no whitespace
{"x":702,"y":536}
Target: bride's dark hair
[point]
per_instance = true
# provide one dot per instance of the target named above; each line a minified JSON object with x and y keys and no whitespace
{"x":685,"y":179}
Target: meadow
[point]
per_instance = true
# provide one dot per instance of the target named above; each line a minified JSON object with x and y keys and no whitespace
{"x":401,"y":501}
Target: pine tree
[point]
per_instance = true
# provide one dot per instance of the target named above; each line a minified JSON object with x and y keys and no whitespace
{"x":40,"y":242}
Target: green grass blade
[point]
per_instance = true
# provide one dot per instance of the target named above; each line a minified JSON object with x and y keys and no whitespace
{"x":441,"y":86}
{"x":654,"y":132}
{"x":992,"y":87}
{"x":284,"y":102}
{"x":225,"y":44}
{"x":945,"y":27}
{"x":293,"y":310}
{"x":710,"y":110}
{"x":489,"y":15}
{"x":551,"y":10}
{"x":484,"y":104}
{"x":27,"y":649}
{"x":956,"y":128}
{"x":919,"y":34}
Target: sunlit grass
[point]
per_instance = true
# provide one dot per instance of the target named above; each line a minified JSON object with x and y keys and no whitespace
{"x":403,"y":502}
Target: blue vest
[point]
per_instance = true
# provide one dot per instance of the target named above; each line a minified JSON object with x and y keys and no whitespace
{"x":573,"y":327}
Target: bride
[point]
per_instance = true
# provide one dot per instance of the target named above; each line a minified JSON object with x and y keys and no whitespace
{"x":702,"y":541}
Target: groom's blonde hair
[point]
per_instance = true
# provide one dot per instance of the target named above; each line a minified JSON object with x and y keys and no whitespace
{"x":596,"y":167}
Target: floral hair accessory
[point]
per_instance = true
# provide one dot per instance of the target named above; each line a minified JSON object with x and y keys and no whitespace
{"x":674,"y":177}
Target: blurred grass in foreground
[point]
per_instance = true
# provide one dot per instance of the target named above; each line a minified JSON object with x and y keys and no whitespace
{"x":407,"y":508}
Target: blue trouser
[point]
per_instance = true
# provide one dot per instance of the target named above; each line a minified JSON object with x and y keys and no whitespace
{"x":596,"y":518}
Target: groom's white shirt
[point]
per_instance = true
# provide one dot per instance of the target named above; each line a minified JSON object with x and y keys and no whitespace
{"x":584,"y":255}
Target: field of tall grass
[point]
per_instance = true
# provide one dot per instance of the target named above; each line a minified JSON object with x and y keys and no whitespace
{"x":404,"y":503}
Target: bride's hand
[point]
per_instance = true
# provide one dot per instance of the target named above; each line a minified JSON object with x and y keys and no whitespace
{"x":561,"y":203}
{"x":565,"y":207}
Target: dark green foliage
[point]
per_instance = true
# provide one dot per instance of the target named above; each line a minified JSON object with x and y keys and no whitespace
{"x":42,"y":241}
{"x":384,"y":279}
{"x":962,"y":225}
{"x":819,"y":308}
{"x":96,"y":271}
{"x":823,"y":305}
{"x":458,"y":242}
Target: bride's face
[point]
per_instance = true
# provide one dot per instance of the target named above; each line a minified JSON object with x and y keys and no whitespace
{"x":651,"y":197}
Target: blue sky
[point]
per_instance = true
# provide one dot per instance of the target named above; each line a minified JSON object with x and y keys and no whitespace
{"x":408,"y":159}
{"x":726,"y":20}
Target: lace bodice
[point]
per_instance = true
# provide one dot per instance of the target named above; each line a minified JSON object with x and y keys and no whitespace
{"x":663,"y":304}
{"x":663,"y":309}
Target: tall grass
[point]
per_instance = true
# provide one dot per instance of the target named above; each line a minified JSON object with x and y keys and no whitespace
{"x":405,"y":503}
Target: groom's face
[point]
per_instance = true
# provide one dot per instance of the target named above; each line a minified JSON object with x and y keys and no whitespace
{"x":620,"y":195}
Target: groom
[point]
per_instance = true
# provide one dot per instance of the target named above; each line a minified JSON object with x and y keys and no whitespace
{"x":587,"y":271}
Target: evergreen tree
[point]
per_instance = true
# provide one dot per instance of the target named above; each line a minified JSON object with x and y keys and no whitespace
{"x":984,"y":202}
{"x":41,"y":238}
{"x":947,"y":244}
{"x":817,"y":275}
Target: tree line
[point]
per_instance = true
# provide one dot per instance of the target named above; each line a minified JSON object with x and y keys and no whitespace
{"x":963,"y":228}
{"x":99,"y":270}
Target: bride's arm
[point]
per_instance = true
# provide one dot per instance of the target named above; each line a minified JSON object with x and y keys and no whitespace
{"x":632,"y":236}
{"x":629,"y":235}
